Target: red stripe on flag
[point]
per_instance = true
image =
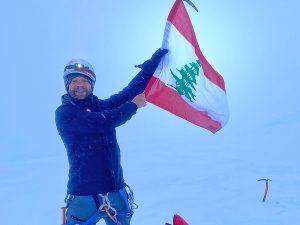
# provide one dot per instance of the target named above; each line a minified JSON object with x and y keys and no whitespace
{"x":180,"y":19}
{"x":166,"y":98}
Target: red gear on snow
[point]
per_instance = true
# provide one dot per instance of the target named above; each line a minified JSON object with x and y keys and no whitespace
{"x":177,"y":220}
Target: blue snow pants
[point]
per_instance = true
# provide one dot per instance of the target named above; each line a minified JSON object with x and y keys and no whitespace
{"x":81,"y":208}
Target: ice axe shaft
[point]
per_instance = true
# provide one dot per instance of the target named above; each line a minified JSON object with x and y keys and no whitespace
{"x":267,"y":188}
{"x":63,"y":210}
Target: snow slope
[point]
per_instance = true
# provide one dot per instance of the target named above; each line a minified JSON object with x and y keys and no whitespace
{"x":214,"y":185}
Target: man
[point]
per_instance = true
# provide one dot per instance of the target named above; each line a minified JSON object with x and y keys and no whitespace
{"x":87,"y":125}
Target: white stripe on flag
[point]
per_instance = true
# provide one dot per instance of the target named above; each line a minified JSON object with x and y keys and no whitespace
{"x":208,"y":96}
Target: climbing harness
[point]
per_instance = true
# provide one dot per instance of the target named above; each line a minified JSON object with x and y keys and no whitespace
{"x":108,"y":209}
{"x":105,"y":209}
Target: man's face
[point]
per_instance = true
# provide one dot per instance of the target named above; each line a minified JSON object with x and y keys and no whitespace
{"x":80,"y":88}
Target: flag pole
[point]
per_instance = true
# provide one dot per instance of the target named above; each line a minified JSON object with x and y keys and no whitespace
{"x":191,"y":4}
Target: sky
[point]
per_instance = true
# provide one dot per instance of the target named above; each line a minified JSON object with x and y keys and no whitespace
{"x":254,"y":45}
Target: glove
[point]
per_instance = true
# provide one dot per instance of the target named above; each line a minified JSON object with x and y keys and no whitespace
{"x":150,"y":65}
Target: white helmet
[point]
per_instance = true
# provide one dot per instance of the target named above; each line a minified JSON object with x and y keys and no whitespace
{"x":79,"y":66}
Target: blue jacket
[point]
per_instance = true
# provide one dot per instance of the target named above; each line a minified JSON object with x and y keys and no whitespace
{"x":87,"y":128}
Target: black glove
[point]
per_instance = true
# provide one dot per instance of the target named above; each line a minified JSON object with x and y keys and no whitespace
{"x":150,"y":65}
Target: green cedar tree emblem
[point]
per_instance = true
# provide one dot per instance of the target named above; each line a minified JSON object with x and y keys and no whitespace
{"x":185,"y":84}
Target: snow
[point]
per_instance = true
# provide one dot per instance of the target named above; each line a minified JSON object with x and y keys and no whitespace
{"x":216,"y":184}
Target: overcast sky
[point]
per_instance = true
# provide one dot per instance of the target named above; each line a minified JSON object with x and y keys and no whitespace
{"x":254,"y":45}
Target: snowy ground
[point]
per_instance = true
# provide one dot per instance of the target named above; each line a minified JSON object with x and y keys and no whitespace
{"x":212,"y":186}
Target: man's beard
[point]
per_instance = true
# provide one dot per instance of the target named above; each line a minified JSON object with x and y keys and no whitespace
{"x":80,"y":93}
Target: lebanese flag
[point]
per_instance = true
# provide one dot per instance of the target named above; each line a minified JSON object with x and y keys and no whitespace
{"x":184,"y":83}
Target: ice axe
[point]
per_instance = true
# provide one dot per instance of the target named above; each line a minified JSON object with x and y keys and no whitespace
{"x":267,"y":188}
{"x":191,"y":4}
